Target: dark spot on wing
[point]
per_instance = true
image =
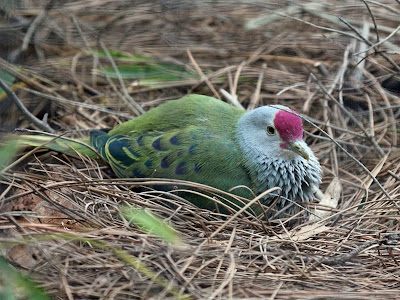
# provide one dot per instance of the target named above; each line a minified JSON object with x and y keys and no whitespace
{"x":181,"y":168}
{"x":148,"y":163}
{"x":157,"y":144}
{"x":192,"y":150}
{"x":137,"y":174}
{"x":140,"y":140}
{"x":174,"y":140}
{"x":165,"y":162}
{"x":197,"y":167}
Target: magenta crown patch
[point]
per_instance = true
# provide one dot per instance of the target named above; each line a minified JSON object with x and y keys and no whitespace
{"x":289,"y":125}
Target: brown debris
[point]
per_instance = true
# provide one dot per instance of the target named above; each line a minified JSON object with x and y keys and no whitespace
{"x":67,"y":209}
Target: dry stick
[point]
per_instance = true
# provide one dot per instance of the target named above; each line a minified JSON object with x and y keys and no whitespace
{"x":243,"y":209}
{"x":333,"y":19}
{"x":388,"y":59}
{"x":385,"y":6}
{"x":390,"y":172}
{"x":356,"y":161}
{"x":231,"y":271}
{"x":369,"y":137}
{"x":323,"y":28}
{"x":227,"y":249}
{"x":232,"y":99}
{"x":356,"y":134}
{"x":373,"y":20}
{"x":133,"y":107}
{"x":78,"y":104}
{"x":136,"y":107}
{"x":357,"y":73}
{"x":236,"y":78}
{"x":41,"y":124}
{"x":32,"y":28}
{"x":382,"y":41}
{"x":339,"y":141}
{"x":381,"y":91}
{"x":340,"y":260}
{"x":256,"y":96}
{"x":203,"y":77}
{"x":272,"y":17}
{"x":22,"y":74}
{"x":341,"y":72}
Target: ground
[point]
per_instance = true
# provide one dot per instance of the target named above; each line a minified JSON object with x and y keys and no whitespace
{"x":335,"y":62}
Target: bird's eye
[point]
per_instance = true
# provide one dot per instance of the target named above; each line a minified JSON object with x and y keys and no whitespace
{"x":270,"y":130}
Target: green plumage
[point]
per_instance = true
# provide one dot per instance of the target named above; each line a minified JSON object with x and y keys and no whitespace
{"x":192,"y":138}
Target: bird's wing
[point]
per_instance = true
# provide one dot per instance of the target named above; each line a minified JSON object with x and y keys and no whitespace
{"x":193,"y":153}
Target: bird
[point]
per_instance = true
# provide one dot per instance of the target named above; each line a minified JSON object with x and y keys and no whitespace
{"x":205,"y":140}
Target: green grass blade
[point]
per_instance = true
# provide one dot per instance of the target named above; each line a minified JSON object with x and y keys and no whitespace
{"x":15,"y":284}
{"x":152,"y":224}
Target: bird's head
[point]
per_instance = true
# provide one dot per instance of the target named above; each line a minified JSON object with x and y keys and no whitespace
{"x":274,"y":131}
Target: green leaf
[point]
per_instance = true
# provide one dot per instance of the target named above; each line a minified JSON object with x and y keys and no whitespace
{"x":7,"y":78}
{"x":160,"y":72}
{"x":123,"y":56}
{"x":152,"y":224}
{"x":15,"y":284}
{"x":7,"y":151}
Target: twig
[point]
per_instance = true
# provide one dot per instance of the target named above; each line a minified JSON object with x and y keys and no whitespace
{"x":135,"y":107}
{"x":394,"y":175}
{"x":236,"y":78}
{"x":288,"y":88}
{"x":382,"y":41}
{"x":367,"y":135}
{"x":334,"y":20}
{"x":232,"y":99}
{"x":256,"y":96}
{"x":373,"y":20}
{"x":41,"y":124}
{"x":384,"y":6}
{"x":388,"y":59}
{"x":357,"y":72}
{"x":339,"y":141}
{"x":324,"y":28}
{"x":381,"y":91}
{"x":342,"y":259}
{"x":77,"y":104}
{"x":35,"y":23}
{"x":356,"y":161}
{"x":200,"y":72}
{"x":271,"y":17}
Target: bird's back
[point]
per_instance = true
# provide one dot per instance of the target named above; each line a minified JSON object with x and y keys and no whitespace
{"x":193,"y":138}
{"x":191,"y":110}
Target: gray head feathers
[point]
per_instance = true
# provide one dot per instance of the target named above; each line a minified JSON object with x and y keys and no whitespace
{"x":271,"y":139}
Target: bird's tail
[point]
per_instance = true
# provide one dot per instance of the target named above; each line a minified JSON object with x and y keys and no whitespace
{"x":64,"y":145}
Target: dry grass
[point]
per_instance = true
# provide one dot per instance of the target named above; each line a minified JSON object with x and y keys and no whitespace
{"x":68,"y":208}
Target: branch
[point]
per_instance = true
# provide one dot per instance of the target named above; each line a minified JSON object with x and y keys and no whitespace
{"x":41,"y":124}
{"x":388,"y":59}
{"x":342,"y":259}
{"x":367,"y":135}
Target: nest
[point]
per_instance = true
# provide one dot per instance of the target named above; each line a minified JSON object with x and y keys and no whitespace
{"x":60,"y":216}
